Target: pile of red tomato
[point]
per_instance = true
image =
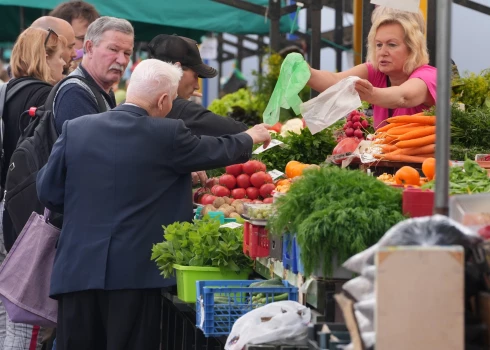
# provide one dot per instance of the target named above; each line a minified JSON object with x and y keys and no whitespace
{"x":248,"y":182}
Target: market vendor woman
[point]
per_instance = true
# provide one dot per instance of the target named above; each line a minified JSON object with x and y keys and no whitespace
{"x":396,"y":79}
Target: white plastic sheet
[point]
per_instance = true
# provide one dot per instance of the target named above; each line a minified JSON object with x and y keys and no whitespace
{"x":282,"y":322}
{"x":331,"y":105}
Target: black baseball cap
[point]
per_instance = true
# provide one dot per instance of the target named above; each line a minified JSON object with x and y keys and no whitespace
{"x":174,"y":48}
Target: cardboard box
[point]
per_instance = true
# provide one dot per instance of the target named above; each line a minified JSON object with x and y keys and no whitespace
{"x":420,"y":298}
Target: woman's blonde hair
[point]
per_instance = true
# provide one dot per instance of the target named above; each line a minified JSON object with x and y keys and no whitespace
{"x":413,"y":25}
{"x":29,"y":55}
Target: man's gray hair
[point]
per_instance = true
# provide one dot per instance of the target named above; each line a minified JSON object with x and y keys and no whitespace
{"x":154,"y":77}
{"x":101,"y":25}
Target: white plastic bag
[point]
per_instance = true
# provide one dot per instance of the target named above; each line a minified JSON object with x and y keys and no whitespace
{"x":331,"y":105}
{"x":282,"y":322}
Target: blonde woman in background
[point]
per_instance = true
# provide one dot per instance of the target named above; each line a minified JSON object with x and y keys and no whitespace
{"x":36,"y":57}
{"x":396,"y":79}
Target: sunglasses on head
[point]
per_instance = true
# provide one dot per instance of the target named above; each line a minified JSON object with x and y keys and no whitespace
{"x":50,"y":31}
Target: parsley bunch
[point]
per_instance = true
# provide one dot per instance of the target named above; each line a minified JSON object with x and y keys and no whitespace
{"x":336,"y":212}
{"x":304,"y":147}
{"x":201,"y":243}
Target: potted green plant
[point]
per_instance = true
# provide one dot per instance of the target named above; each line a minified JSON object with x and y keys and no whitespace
{"x":201,"y":250}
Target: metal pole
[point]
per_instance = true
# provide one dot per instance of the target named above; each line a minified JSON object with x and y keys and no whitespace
{"x":220,"y":62}
{"x":275,"y":33}
{"x":315,"y":11}
{"x":431,"y":30}
{"x":339,"y":32}
{"x":443,"y":107}
{"x":367,"y":10}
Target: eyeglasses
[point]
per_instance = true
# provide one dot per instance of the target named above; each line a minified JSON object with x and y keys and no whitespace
{"x":50,"y":31}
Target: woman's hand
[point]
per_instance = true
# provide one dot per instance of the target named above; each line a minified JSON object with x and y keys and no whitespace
{"x":365,"y":90}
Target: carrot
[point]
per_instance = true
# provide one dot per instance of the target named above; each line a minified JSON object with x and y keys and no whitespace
{"x":418,"y":142}
{"x":388,"y":148}
{"x":427,"y":155}
{"x":415,"y":151}
{"x":403,"y":130}
{"x":400,"y":158}
{"x":420,"y":132}
{"x":385,"y":140}
{"x":389,"y":126}
{"x":421,"y":119}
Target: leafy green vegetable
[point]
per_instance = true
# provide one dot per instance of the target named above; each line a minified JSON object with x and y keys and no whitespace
{"x":338,"y":212}
{"x":201,"y":243}
{"x":304,"y":147}
{"x":472,"y":90}
{"x":469,"y":128}
{"x":468,"y":179}
{"x":459,"y":152}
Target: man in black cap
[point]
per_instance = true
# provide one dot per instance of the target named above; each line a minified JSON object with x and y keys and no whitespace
{"x":185,"y":53}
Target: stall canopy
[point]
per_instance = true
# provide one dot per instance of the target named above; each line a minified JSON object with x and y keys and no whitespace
{"x":190,"y":18}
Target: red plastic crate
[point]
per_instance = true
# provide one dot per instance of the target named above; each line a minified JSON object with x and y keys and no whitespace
{"x":417,"y":202}
{"x":255,"y":241}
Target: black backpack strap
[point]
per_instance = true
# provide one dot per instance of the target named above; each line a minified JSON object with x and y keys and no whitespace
{"x":3,"y":99}
{"x":98,"y":96}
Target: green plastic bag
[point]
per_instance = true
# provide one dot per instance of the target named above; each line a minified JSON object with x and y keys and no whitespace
{"x":293,"y":77}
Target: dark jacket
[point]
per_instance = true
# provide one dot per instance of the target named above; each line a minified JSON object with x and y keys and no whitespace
{"x":202,"y":121}
{"x":118,"y":177}
{"x":73,"y":100}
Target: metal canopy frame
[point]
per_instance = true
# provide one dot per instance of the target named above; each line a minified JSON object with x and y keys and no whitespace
{"x":315,"y":38}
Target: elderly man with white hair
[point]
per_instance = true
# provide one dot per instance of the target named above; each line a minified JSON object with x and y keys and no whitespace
{"x":117,"y":177}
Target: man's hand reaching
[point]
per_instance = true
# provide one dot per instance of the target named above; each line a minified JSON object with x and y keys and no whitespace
{"x":260,"y":133}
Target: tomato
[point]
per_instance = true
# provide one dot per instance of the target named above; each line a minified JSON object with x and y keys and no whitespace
{"x":252,"y":166}
{"x":259,"y":178}
{"x":227,"y":180}
{"x":261,"y":166}
{"x":243,"y":181}
{"x":266,"y":190}
{"x":238,"y":193}
{"x":199,"y":193}
{"x":221,"y":191}
{"x":277,"y":127}
{"x":235,"y":169}
{"x":207,"y":199}
{"x":268,"y":200}
{"x":252,"y":193}
{"x":213,"y":189}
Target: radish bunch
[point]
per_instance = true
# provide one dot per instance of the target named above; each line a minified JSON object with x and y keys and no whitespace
{"x":356,"y":125}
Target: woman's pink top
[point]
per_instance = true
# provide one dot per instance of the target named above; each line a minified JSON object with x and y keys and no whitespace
{"x":427,"y":73}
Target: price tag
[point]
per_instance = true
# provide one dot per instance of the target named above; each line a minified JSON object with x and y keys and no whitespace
{"x":275,"y":174}
{"x":232,"y":225}
{"x":273,"y":143}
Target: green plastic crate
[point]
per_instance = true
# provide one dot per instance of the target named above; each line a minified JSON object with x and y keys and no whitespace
{"x":188,"y":275}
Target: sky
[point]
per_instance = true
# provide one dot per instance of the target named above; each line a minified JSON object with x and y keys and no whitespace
{"x":470,"y":47}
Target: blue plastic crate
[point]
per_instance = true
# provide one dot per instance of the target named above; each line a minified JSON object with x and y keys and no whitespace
{"x":289,"y":260}
{"x":299,"y":262}
{"x":217,"y":318}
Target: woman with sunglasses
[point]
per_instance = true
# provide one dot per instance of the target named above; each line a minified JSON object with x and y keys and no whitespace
{"x":36,"y":57}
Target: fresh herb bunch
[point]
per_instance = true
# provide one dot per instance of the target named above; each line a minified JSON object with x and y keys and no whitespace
{"x":336,"y":212}
{"x":469,"y":128}
{"x":459,"y":152}
{"x":304,"y":147}
{"x":201,"y":243}
{"x":468,"y":179}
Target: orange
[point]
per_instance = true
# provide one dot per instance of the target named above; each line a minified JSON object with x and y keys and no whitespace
{"x":407,"y":176}
{"x":429,"y":168}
